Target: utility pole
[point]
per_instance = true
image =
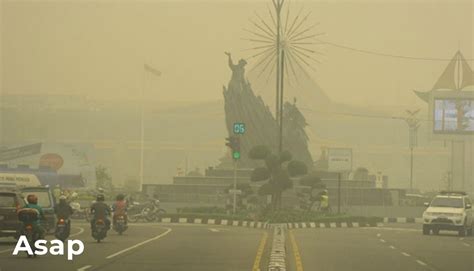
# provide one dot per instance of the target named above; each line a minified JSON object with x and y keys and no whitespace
{"x":147,"y":70}
{"x":278,"y":4}
{"x":413,"y":124}
{"x":234,"y":204}
{"x":280,"y":145}
{"x":339,"y":192}
{"x":233,"y":142}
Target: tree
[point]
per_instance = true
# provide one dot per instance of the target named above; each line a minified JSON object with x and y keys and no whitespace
{"x":278,"y":171}
{"x":104,"y":180}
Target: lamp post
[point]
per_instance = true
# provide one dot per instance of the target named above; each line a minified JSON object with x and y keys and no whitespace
{"x":278,"y":5}
{"x":413,"y":125}
{"x":147,"y":70}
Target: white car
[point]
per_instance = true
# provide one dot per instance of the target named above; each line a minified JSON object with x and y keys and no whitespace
{"x":449,"y":211}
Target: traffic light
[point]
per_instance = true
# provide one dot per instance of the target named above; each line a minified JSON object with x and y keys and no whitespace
{"x":233,"y":142}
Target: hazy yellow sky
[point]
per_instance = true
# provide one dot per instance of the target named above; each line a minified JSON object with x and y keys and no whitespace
{"x":98,"y":48}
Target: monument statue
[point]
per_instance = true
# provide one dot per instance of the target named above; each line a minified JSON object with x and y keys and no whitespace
{"x":242,"y":105}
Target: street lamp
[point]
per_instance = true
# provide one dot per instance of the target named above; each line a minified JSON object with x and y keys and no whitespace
{"x":147,"y":70}
{"x":413,"y":125}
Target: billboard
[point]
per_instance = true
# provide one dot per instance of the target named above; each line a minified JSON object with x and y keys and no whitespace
{"x":19,"y":152}
{"x":451,"y":115}
{"x":339,"y":160}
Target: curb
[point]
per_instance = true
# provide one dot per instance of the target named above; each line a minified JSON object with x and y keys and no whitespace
{"x":303,"y":225}
{"x":211,"y":221}
{"x":417,"y":220}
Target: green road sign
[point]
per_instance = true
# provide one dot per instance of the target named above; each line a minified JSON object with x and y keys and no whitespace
{"x":239,"y":128}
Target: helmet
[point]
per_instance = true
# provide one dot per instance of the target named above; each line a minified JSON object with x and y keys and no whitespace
{"x":120,"y":197}
{"x":32,"y":199}
{"x":100,"y":197}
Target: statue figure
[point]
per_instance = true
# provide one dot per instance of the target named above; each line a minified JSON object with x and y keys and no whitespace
{"x":238,"y":70}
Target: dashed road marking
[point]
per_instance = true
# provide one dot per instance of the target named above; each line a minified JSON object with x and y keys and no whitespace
{"x":84,"y":268}
{"x":390,"y":229}
{"x":261,"y":247}
{"x":168,"y":230}
{"x":405,"y":254}
{"x":421,"y":263}
{"x":382,"y":240}
{"x":466,"y":244}
{"x":392,"y":247}
{"x":378,"y":234}
{"x":213,"y":230}
{"x":296,"y":253}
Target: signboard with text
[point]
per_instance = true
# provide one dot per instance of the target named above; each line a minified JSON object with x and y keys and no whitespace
{"x":339,"y":160}
{"x":19,"y":152}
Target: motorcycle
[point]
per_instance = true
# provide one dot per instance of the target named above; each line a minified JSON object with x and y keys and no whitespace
{"x":120,"y":224}
{"x":78,"y":212}
{"x":135,"y":212}
{"x":28,"y":216}
{"x":99,"y":232}
{"x":152,"y":211}
{"x":62,"y":229}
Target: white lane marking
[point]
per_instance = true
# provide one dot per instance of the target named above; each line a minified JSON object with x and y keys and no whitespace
{"x":378,"y":234}
{"x":213,"y":230}
{"x":466,"y":244}
{"x":84,"y":268}
{"x":392,"y":247}
{"x":391,"y":229}
{"x":421,"y":263}
{"x":81,"y":230}
{"x":382,"y":240}
{"x":168,"y":230}
{"x":405,"y":254}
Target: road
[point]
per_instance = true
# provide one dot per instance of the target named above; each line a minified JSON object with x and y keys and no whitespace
{"x":392,"y":247}
{"x":163,"y":247}
{"x":177,"y":247}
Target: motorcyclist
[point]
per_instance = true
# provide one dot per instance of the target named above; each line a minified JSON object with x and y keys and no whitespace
{"x":33,"y":204}
{"x":57,"y":193}
{"x":120,"y":207}
{"x":99,"y":209}
{"x":64,"y":210}
{"x":324,"y":201}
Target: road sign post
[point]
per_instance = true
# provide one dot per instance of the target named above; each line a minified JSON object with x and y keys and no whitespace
{"x":339,"y":161}
{"x":234,"y":205}
{"x":339,"y":192}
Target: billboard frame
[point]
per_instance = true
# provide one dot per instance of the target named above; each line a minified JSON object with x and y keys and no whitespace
{"x":447,"y":95}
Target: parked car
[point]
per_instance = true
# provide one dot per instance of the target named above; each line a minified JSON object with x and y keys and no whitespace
{"x":10,"y":202}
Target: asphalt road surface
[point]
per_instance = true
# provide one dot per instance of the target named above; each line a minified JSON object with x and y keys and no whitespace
{"x":392,"y":247}
{"x":191,"y":247}
{"x":163,"y":247}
